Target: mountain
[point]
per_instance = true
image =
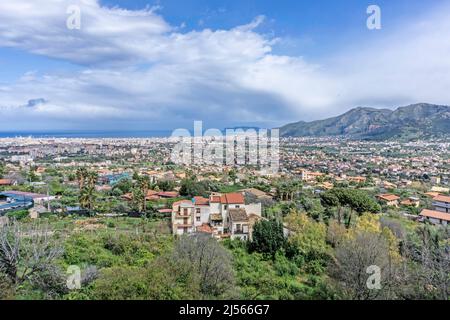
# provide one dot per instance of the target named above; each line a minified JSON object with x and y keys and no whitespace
{"x":415,"y":121}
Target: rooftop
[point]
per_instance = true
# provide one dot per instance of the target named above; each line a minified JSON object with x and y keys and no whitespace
{"x":238,"y":214}
{"x":435,"y":215}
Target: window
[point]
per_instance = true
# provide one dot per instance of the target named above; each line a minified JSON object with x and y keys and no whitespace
{"x":237,"y":206}
{"x":225,"y":207}
{"x":197,"y":210}
{"x":185,"y":212}
{"x":198,"y":219}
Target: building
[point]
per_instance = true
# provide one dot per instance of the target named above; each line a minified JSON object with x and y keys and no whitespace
{"x":441,"y":211}
{"x":11,"y":202}
{"x":435,"y":217}
{"x":308,"y":176}
{"x":7,"y":182}
{"x":221,"y":215}
{"x":411,"y":202}
{"x":442,"y":203}
{"x":37,"y":198}
{"x":390,"y":200}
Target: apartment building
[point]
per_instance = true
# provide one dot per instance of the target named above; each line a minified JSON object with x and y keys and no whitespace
{"x":441,"y":211}
{"x":221,"y":215}
{"x":442,"y":203}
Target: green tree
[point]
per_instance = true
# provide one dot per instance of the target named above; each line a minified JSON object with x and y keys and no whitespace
{"x":308,"y":241}
{"x":268,"y":238}
{"x":2,"y":169}
{"x":356,"y":200}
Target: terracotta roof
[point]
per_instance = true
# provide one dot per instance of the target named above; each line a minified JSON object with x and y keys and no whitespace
{"x":435,"y":214}
{"x":232,"y":198}
{"x":388,"y":197}
{"x":205,"y":228}
{"x":238,"y":214}
{"x":200,"y":201}
{"x":433,"y":194}
{"x":180,"y":202}
{"x":409,"y":202}
{"x":168,"y":194}
{"x":5,"y":182}
{"x":215,"y":199}
{"x":256,"y":192}
{"x":442,"y":198}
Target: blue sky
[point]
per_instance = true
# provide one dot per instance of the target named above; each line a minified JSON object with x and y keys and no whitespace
{"x":163,"y":64}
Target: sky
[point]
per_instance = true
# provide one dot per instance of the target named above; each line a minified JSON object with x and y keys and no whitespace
{"x":161,"y":65}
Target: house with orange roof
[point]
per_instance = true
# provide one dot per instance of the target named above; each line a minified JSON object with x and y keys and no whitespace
{"x":226,"y":215}
{"x":390,"y":200}
{"x":7,"y":182}
{"x":435,"y":217}
{"x":411,"y":202}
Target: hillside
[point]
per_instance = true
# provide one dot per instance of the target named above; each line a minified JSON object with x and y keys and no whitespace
{"x":415,"y":121}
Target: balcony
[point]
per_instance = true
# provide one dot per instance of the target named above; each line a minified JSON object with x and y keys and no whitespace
{"x":181,"y":225}
{"x":183,"y":216}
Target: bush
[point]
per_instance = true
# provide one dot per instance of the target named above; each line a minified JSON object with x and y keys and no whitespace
{"x":18,"y":215}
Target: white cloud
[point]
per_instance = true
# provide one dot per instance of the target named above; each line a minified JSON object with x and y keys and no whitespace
{"x":141,"y":71}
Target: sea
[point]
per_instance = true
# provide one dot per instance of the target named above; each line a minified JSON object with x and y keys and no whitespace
{"x":90,"y":134}
{"x":102,"y":134}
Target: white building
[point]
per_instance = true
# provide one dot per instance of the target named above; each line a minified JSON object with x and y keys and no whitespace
{"x":222,"y":215}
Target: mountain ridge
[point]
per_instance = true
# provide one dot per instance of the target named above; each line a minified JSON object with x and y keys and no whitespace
{"x":419,"y":120}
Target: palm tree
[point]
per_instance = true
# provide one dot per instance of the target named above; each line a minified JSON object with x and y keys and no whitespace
{"x":92,"y":178}
{"x":81,"y":177}
{"x":144,"y":185}
{"x":87,"y":180}
{"x":84,"y":199}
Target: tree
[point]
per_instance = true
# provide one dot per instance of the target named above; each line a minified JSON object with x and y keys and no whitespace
{"x":356,"y":200}
{"x":81,"y":175}
{"x":191,"y":188}
{"x":268,"y":238}
{"x":166,"y":185}
{"x":431,"y":258}
{"x":2,"y":169}
{"x":144,"y":185}
{"x":26,"y":254}
{"x":308,"y":240}
{"x":203,"y":256}
{"x":138,"y":202}
{"x":354,"y":258}
{"x":87,"y":181}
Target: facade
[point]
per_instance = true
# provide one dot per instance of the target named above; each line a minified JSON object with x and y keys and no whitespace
{"x":440,"y":213}
{"x":221,"y":215}
{"x":442,"y":203}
